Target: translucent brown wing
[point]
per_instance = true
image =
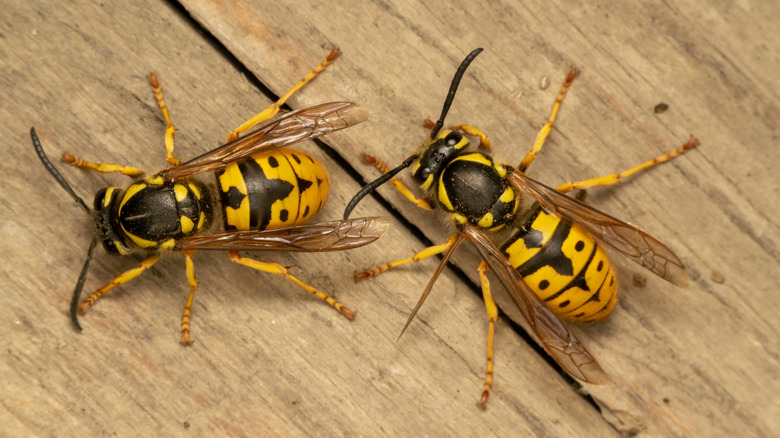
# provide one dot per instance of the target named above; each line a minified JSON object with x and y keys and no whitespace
{"x":639,"y":246}
{"x":556,"y":339}
{"x":294,"y":127}
{"x":324,"y":236}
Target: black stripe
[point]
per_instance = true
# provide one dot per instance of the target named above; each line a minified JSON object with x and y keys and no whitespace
{"x":578,"y":281}
{"x":551,"y":254}
{"x":262,"y":193}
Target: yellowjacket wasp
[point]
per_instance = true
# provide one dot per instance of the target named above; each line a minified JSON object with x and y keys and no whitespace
{"x":263,"y":195}
{"x":552,"y":265}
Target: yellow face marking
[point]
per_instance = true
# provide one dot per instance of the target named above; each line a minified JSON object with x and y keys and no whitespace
{"x":427,"y":183}
{"x":443,"y":133}
{"x":415,"y":166}
{"x":464,"y":142}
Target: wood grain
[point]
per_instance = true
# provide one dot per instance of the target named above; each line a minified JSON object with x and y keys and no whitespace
{"x":696,"y":362}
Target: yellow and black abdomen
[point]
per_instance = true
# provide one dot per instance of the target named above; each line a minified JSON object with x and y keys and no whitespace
{"x":565,"y":266}
{"x":272,"y":190}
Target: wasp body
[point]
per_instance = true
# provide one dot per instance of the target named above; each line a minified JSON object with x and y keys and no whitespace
{"x":551,"y":264}
{"x":261,"y":198}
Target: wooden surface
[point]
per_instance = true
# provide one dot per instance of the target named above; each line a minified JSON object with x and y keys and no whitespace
{"x":267,"y":357}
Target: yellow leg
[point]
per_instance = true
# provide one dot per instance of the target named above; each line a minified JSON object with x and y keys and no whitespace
{"x":169,"y":130}
{"x":271,"y":111}
{"x":615,"y":178}
{"x":545,"y":131}
{"x":101,"y":167}
{"x":193,"y":282}
{"x":423,"y":254}
{"x":399,"y":185}
{"x":484,"y":140}
{"x":281,"y":271}
{"x":118,"y":280}
{"x":492,"y":312}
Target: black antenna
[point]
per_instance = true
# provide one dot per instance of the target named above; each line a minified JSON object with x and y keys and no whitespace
{"x":370,"y":187}
{"x":453,"y":88}
{"x":53,"y":170}
{"x":74,"y":301}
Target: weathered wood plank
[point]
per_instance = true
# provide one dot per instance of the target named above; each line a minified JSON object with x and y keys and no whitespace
{"x":277,"y":361}
{"x":701,"y":361}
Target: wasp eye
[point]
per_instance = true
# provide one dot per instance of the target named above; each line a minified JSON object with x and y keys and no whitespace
{"x":100,"y":197}
{"x":453,"y":138}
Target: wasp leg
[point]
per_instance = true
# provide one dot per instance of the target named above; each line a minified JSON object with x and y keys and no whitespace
{"x":484,"y":140}
{"x":101,"y":167}
{"x":274,"y":108}
{"x":399,"y":185}
{"x":281,"y":271}
{"x":119,"y":279}
{"x":545,"y":131}
{"x":615,"y":178}
{"x":193,"y":282}
{"x":492,"y":312}
{"x":420,"y":255}
{"x":169,"y":130}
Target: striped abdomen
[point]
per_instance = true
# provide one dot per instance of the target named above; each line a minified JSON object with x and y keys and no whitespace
{"x":272,"y":190}
{"x":565,"y":266}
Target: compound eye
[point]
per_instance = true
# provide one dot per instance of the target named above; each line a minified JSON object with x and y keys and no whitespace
{"x":453,"y":138}
{"x":100,"y":198}
{"x":109,"y":246}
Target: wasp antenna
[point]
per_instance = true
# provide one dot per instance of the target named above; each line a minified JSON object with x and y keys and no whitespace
{"x":74,"y":301}
{"x":453,"y":88}
{"x":53,"y":170}
{"x":370,"y":187}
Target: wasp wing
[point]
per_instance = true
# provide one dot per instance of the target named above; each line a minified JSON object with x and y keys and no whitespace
{"x":294,"y":127}
{"x":324,"y":236}
{"x":639,"y":246}
{"x":556,"y":339}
